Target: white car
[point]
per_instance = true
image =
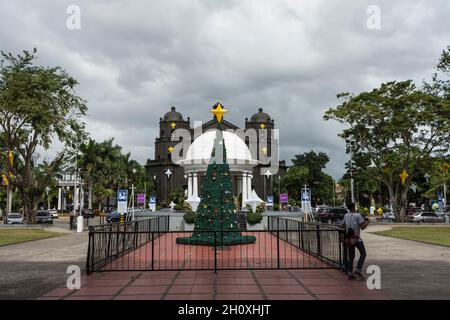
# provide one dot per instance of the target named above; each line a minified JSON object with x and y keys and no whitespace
{"x":53,"y":213}
{"x":13,"y":218}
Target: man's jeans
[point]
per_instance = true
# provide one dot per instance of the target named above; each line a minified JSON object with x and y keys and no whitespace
{"x":351,"y":256}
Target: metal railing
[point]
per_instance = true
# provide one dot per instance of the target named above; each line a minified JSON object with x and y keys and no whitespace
{"x":109,"y":242}
{"x":147,"y":245}
{"x":320,"y":240}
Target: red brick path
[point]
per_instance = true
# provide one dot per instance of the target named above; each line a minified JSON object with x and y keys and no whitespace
{"x":311,"y":284}
{"x":168,"y":255}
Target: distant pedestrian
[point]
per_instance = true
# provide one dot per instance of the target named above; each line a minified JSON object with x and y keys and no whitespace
{"x":353,"y":223}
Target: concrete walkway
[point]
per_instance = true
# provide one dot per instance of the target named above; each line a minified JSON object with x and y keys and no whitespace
{"x":30,"y":269}
{"x":409,"y":269}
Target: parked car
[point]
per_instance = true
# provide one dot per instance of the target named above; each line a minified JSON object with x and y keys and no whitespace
{"x":332,"y":214}
{"x":43,"y":216}
{"x":13,"y":218}
{"x":114,"y":217}
{"x":319,"y":209}
{"x":422,"y":217}
{"x":411,"y":211}
{"x":87,"y":213}
{"x":54,"y":213}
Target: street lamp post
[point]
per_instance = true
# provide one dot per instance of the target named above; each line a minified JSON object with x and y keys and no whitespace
{"x":445,"y":204}
{"x":352,"y":191}
{"x":47,"y":191}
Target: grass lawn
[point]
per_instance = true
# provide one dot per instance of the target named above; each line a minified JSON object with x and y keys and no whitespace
{"x":11,"y":236}
{"x":433,"y":235}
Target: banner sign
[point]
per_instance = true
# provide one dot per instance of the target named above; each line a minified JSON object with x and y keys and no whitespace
{"x":122,"y":201}
{"x":140,"y":198}
{"x":270,"y":201}
{"x":152,"y":203}
{"x":284,"y":198}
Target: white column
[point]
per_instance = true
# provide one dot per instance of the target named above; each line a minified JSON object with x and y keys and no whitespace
{"x":75,"y":198}
{"x":195,"y":187}
{"x":59,"y":198}
{"x":189,"y":185}
{"x":82,"y":197}
{"x":244,"y":188}
{"x":249,"y":185}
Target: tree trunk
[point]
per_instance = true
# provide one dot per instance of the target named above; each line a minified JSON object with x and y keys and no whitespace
{"x":28,"y":199}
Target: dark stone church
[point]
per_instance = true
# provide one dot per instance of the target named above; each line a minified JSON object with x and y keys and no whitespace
{"x":169,"y":176}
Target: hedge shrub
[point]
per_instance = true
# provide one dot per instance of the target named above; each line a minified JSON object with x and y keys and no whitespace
{"x":190,"y":217}
{"x":253,"y":218}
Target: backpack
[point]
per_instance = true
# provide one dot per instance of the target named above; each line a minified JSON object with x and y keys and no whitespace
{"x":350,"y":236}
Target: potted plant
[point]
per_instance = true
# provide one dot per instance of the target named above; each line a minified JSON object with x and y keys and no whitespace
{"x":189,"y":220}
{"x":254,"y":221}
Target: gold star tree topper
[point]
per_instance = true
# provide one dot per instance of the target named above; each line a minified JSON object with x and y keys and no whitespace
{"x":219,"y":111}
{"x":404,"y":175}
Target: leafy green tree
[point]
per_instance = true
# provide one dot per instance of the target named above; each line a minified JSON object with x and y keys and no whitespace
{"x":315,"y":162}
{"x":89,"y":162}
{"x":399,"y":127}
{"x":37,"y":105}
{"x":321,"y":184}
{"x":438,"y":176}
{"x":293,"y":180}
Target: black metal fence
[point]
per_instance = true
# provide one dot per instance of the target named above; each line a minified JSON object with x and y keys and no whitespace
{"x":109,"y":242}
{"x":320,"y":240}
{"x":148,"y":245}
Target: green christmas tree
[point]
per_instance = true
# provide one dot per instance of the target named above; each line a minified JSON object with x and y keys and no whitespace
{"x":217,"y":219}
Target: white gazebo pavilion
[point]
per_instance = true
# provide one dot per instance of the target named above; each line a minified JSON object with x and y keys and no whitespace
{"x":239,"y":159}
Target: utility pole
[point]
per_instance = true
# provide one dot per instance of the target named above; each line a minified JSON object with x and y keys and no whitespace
{"x":351,"y":173}
{"x":132,"y":201}
{"x":334,"y":193}
{"x":445,"y":204}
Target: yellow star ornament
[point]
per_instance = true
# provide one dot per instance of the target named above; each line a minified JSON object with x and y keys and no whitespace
{"x":170,"y":149}
{"x":219,"y":112}
{"x":173,"y":125}
{"x":262,"y":126}
{"x":404,"y":175}
{"x":11,"y":157}
{"x":264,"y":150}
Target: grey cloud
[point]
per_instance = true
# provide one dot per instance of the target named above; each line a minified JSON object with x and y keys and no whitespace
{"x":134,"y":59}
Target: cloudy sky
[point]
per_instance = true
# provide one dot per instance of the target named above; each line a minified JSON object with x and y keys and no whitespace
{"x":135,"y":59}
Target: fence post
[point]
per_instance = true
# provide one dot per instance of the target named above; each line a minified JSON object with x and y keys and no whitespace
{"x":153,"y":250}
{"x":124,"y":233}
{"x":319,"y":249}
{"x":287,"y":236}
{"x":88,"y":260}
{"x":136,"y":229}
{"x":215,"y":253}
{"x":278,"y":248}
{"x":108,"y":252}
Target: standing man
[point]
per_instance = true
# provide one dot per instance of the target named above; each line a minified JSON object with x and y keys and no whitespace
{"x":353,"y":223}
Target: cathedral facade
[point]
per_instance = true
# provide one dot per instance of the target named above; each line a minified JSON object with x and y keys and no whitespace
{"x":169,"y":176}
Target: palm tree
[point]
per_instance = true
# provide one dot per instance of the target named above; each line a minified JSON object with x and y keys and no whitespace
{"x":89,"y":162}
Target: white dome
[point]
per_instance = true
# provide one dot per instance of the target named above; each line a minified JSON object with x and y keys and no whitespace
{"x":201,"y":148}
